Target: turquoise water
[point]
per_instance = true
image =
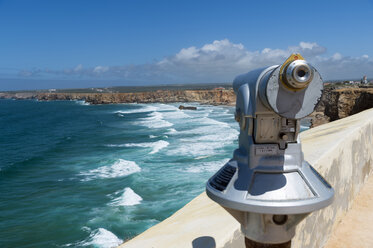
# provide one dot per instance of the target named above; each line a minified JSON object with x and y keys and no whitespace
{"x":76,"y":175}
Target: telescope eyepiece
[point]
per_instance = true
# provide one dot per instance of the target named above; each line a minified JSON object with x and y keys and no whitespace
{"x":298,"y":74}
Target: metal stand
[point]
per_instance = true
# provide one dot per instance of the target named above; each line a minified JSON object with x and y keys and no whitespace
{"x":252,"y":244}
{"x":267,"y":186}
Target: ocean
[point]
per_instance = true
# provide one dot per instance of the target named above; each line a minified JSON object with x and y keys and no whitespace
{"x":80,"y":175}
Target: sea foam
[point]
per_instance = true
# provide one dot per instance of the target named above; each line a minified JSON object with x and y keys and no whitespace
{"x":102,"y":238}
{"x":120,"y":168}
{"x":157,"y":146}
{"x":128,"y":198}
{"x":176,"y":114}
{"x":82,"y":102}
{"x":144,"y":109}
{"x":171,"y":131}
{"x":211,"y":166}
{"x":155,"y":120}
{"x":209,"y":121}
{"x":206,"y":139}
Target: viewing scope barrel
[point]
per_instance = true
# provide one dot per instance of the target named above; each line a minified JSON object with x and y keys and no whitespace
{"x":267,"y":186}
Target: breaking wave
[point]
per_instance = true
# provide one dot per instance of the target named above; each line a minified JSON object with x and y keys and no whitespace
{"x":171,"y":131}
{"x":101,"y":238}
{"x":120,"y":168}
{"x":157,"y":146}
{"x":204,"y":139}
{"x":144,"y":109}
{"x":127,"y":198}
{"x":82,"y":102}
{"x":155,"y":120}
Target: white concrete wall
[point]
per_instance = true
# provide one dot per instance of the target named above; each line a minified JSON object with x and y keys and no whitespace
{"x":341,"y":151}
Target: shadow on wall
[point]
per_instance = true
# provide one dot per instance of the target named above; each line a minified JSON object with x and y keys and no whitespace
{"x":204,"y":242}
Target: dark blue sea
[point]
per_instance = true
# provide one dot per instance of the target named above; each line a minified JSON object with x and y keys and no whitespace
{"x":79,"y":175}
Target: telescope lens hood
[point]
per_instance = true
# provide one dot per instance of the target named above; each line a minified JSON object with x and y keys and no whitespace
{"x":298,"y":74}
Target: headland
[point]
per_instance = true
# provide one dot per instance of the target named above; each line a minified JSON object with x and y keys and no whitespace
{"x":338,"y":101}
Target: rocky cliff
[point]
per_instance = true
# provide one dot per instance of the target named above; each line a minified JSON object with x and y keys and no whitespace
{"x":18,"y":95}
{"x":215,"y":97}
{"x":337,"y":103}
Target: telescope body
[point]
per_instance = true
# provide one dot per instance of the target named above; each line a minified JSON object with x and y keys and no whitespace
{"x":267,"y":186}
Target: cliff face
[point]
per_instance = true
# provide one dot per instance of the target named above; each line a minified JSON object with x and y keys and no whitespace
{"x":18,"y":96}
{"x":339,"y":103}
{"x":215,"y":97}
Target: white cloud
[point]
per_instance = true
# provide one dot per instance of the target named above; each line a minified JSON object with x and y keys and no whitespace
{"x":100,"y":69}
{"x":337,"y":56}
{"x":187,"y":53}
{"x":307,"y":45}
{"x":221,"y":61}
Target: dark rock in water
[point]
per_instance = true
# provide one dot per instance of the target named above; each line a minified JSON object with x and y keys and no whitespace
{"x":187,"y":108}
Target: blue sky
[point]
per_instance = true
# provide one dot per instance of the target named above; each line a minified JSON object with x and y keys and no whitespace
{"x":67,"y":44}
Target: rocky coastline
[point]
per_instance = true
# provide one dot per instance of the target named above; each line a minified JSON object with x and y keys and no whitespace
{"x":336,"y":102}
{"x":213,"y":96}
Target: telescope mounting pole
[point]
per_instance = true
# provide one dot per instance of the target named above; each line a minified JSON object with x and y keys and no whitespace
{"x":252,"y":244}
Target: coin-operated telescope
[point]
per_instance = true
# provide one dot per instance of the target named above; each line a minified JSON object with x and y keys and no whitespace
{"x":267,"y":186}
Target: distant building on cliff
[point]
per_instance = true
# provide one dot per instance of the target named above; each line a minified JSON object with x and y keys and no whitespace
{"x":364,"y":80}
